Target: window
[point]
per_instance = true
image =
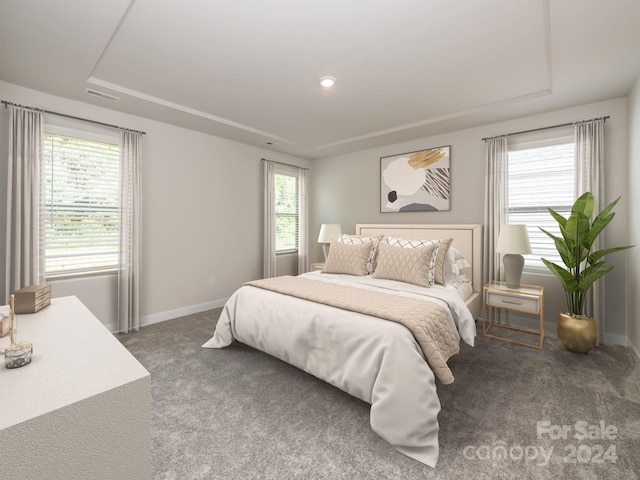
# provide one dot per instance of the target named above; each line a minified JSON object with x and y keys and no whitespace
{"x":287,"y":212}
{"x":81,"y":204}
{"x":541,"y":175}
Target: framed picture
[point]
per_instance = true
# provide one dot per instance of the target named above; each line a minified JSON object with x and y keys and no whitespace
{"x":416,"y":181}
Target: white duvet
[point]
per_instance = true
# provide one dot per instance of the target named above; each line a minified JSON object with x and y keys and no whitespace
{"x":375,"y":360}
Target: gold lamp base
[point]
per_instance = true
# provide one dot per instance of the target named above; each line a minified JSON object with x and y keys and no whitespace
{"x":577,"y":334}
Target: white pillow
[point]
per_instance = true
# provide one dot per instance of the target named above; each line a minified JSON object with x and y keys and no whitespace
{"x":455,"y":261}
{"x":356,"y":240}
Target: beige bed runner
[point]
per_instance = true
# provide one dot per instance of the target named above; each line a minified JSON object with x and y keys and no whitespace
{"x":427,"y":321}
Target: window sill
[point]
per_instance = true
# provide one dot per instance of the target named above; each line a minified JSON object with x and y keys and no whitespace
{"x":76,"y":275}
{"x":538,"y":271}
{"x":286,"y":252}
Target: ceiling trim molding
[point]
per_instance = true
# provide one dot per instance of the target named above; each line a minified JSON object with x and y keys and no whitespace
{"x":113,"y":35}
{"x":440,"y":118}
{"x":546,"y":19}
{"x":185,"y":109}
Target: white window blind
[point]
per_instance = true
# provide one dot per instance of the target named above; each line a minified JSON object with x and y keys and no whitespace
{"x":81,"y":204}
{"x":287,"y":211}
{"x":541,"y":177}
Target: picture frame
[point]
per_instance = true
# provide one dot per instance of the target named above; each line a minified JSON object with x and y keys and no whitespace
{"x":417,"y":181}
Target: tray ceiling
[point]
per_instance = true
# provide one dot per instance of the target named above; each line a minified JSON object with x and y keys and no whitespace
{"x":248,"y":70}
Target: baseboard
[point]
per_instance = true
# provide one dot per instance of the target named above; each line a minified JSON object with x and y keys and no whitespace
{"x":613,"y":339}
{"x":177,"y":313}
{"x":635,"y":352}
{"x":609,"y":338}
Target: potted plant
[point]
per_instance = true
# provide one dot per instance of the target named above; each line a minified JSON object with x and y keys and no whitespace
{"x":577,"y":331}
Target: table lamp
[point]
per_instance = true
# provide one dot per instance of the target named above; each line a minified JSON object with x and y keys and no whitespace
{"x":328,"y":233}
{"x":512,"y":242}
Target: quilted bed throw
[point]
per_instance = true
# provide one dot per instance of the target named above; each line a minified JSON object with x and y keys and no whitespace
{"x":427,"y":321}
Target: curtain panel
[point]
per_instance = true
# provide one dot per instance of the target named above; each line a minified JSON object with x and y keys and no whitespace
{"x":25,"y":264}
{"x":269,"y":248}
{"x":589,"y":155}
{"x":130,"y":231}
{"x":303,"y":242}
{"x":495,"y":204}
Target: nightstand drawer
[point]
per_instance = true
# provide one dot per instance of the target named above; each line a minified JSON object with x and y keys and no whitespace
{"x":522,"y":303}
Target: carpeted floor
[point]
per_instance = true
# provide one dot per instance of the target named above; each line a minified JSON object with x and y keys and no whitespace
{"x":238,"y":413}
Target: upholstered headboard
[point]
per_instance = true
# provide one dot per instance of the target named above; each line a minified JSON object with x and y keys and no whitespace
{"x":466,"y":238}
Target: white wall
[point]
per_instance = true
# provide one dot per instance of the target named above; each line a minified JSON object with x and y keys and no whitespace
{"x":202,"y":212}
{"x":633,"y":325}
{"x":345,"y":190}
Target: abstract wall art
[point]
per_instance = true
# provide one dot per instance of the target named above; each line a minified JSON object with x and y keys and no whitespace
{"x":416,"y":181}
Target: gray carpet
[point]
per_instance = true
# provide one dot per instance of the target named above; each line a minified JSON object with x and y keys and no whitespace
{"x":238,"y":413}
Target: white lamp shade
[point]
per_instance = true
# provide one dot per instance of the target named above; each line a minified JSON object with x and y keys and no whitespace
{"x":513,"y":239}
{"x":329,"y":232}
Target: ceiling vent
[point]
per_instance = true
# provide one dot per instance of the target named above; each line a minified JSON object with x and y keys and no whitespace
{"x":104,"y":96}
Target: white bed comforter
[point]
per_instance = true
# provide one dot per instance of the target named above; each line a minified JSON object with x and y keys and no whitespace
{"x":375,"y":360}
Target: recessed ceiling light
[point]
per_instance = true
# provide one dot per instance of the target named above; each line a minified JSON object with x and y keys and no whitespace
{"x":327,"y":81}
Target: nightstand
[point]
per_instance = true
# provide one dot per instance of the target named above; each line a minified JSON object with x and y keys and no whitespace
{"x":527,"y":299}
{"x":317,"y":266}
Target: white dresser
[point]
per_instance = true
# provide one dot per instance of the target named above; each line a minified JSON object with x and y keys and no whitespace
{"x":81,"y":409}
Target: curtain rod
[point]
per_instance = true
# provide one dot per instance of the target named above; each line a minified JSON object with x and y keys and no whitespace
{"x":286,"y":164}
{"x":545,"y":128}
{"x":7,"y":103}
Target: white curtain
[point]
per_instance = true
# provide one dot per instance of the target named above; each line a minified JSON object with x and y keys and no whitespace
{"x":303,"y":241}
{"x":25,"y":263}
{"x":589,"y":148}
{"x":495,"y":203}
{"x":269,"y":266}
{"x":130,"y":235}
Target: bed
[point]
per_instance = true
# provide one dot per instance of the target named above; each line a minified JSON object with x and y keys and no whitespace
{"x":390,"y":365}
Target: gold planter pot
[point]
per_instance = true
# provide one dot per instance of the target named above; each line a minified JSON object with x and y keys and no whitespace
{"x":577,"y":334}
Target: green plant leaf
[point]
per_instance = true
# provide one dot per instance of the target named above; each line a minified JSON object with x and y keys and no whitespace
{"x":598,"y":254}
{"x":561,"y":247}
{"x":599,"y":223}
{"x":558,"y":218}
{"x":591,"y":274}
{"x":584,"y":204}
{"x":577,"y":229}
{"x":569,"y":282}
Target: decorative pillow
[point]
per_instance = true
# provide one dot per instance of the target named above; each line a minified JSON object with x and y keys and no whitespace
{"x":404,"y":243}
{"x":357,"y":239}
{"x":349,"y":259}
{"x":440,"y":257}
{"x":409,"y":265}
{"x":455,"y":262}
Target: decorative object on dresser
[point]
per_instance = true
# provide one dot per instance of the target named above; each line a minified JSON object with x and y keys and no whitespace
{"x":578,"y":331}
{"x":416,"y":181}
{"x":33,"y":298}
{"x":513,"y":241}
{"x":17,"y":354}
{"x":328,"y":233}
{"x":5,"y":323}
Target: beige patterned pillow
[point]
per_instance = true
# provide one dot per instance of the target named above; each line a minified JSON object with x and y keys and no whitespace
{"x":440,"y":259}
{"x":409,"y":265}
{"x":355,"y":239}
{"x":349,"y":259}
